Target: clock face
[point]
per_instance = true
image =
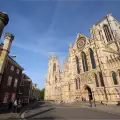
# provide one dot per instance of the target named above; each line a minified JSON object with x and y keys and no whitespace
{"x":81,"y":43}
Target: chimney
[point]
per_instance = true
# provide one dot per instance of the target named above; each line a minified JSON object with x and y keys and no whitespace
{"x":5,"y":51}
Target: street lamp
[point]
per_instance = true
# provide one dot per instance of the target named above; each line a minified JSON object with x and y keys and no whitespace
{"x":13,"y":56}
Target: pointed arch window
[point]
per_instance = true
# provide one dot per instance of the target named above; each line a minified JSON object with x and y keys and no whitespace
{"x":101,"y":79}
{"x":92,"y":58}
{"x":107,"y":33}
{"x":54,"y":67}
{"x":84,"y":62}
{"x":55,"y":79}
{"x":69,"y":86}
{"x":119,"y":73}
{"x":79,"y":83}
{"x":114,"y":77}
{"x":76,"y":84}
{"x":78,"y":67}
{"x":96,"y":81}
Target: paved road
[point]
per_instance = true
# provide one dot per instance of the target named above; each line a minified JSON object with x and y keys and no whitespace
{"x":63,"y":112}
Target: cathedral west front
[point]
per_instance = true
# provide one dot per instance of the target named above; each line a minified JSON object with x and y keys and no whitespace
{"x":92,"y":66}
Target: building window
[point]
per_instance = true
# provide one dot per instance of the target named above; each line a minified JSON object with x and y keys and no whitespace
{"x":13,"y":96}
{"x":107,"y":33}
{"x":92,"y":58}
{"x":114,"y":77}
{"x":22,"y":83}
{"x":9,"y":81}
{"x":96,"y":81}
{"x":76,"y":84}
{"x":18,"y":71}
{"x":5,"y":100}
{"x":55,"y":79}
{"x":69,"y":86}
{"x":84,"y":62}
{"x":78,"y":67}
{"x":12,"y":68}
{"x":15,"y":83}
{"x":101,"y":79}
{"x":54,"y":67}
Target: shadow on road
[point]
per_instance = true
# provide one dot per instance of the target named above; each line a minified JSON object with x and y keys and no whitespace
{"x":33,"y":105}
{"x":39,"y":113}
{"x":48,"y":118}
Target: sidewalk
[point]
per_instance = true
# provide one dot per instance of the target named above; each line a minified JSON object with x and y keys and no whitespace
{"x":114,"y":109}
{"x":18,"y":115}
{"x":33,"y":112}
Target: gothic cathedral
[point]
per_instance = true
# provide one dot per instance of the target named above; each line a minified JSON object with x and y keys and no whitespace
{"x":92,"y":66}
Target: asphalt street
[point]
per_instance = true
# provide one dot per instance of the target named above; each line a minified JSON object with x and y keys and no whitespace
{"x":65,"y":112}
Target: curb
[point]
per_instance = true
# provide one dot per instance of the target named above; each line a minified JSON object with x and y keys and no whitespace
{"x":10,"y":115}
{"x":30,"y":116}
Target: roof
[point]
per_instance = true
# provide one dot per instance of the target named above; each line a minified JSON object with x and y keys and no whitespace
{"x":10,"y":59}
{"x":27,"y":77}
{"x":15,"y":63}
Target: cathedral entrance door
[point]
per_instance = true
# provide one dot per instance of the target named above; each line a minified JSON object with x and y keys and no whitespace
{"x":90,"y":95}
{"x":89,"y":92}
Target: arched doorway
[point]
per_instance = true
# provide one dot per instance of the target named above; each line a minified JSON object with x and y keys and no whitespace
{"x":90,"y":96}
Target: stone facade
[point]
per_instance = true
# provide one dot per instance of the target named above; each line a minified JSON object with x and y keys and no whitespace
{"x":92,"y":66}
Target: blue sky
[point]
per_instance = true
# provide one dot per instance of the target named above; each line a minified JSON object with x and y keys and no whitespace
{"x":44,"y":28}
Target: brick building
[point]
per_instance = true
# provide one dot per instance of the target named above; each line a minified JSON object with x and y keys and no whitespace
{"x":10,"y":82}
{"x":35,"y":92}
{"x":25,"y":88}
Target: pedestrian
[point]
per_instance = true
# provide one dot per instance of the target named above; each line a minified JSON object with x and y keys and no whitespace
{"x":14,"y":106}
{"x":19,"y":106}
{"x":10,"y":104}
{"x":77,"y":99}
{"x":90,"y":99}
{"x":82,"y":99}
{"x":118,"y":99}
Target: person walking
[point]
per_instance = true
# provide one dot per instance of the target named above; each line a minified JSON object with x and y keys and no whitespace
{"x":15,"y":106}
{"x":90,"y":99}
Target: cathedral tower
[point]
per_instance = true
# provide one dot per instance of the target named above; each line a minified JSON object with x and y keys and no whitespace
{"x":52,"y":78}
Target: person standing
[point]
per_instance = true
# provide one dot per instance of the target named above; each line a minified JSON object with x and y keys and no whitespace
{"x":10,"y":106}
{"x":90,"y":98}
{"x":118,"y":99}
{"x":19,"y":106}
{"x":14,"y":106}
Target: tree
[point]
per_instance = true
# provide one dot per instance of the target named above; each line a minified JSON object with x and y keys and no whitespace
{"x":42,"y":94}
